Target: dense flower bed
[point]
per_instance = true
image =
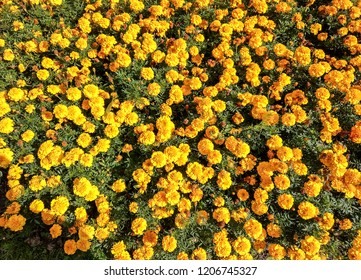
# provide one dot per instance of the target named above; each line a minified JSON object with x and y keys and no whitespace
{"x":174,"y":129}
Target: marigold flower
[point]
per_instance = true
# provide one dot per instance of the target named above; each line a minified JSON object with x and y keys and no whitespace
{"x":86,"y":232}
{"x":307,"y":210}
{"x":345,"y":224}
{"x":274,"y":230}
{"x":285,"y":201}
{"x":15,"y":94}
{"x":36,"y":206}
{"x":205,"y":146}
{"x":224,"y":180}
{"x":81,"y":215}
{"x":288,"y":119}
{"x":241,"y":245}
{"x":284,"y":153}
{"x":310,"y":245}
{"x":6,"y":125}
{"x":37,"y":183}
{"x":253,"y":228}
{"x":303,"y":55}
{"x":42,"y":74}
{"x":199,"y":254}
{"x":59,"y":205}
{"x":158,"y":159}
{"x":313,"y":186}
{"x":70,"y":247}
{"x":8,"y":55}
{"x":355,"y":134}
{"x":282,"y":182}
{"x":222,"y":214}
{"x":147,"y":73}
{"x":15,"y":222}
{"x":276,"y":251}
{"x":274,"y":143}
{"x":81,"y":186}
{"x":169,"y":243}
{"x":55,"y":231}
{"x":316,"y":70}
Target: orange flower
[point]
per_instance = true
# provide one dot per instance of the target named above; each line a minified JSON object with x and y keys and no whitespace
{"x":307,"y":210}
{"x":70,"y":247}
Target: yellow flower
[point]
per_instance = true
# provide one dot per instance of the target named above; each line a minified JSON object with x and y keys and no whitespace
{"x":259,"y":208}
{"x":307,"y":210}
{"x":288,"y":119}
{"x":73,"y":94}
{"x":81,"y":43}
{"x":158,"y":159}
{"x":119,"y":186}
{"x":284,"y":153}
{"x":355,"y":134}
{"x":241,"y":245}
{"x":316,"y":70}
{"x":36,"y":206}
{"x":169,"y":243}
{"x":224,"y":180}
{"x":253,"y":228}
{"x":222,"y":214}
{"x":136,"y":6}
{"x":81,"y":215}
{"x":47,"y":63}
{"x":199,"y":254}
{"x":101,"y":233}
{"x":59,"y":205}
{"x":42,"y":74}
{"x":119,"y":251}
{"x":133,"y":207}
{"x":8,"y":55}
{"x":6,"y":125}
{"x":327,"y":221}
{"x":276,"y":251}
{"x":214,"y":157}
{"x":147,"y":73}
{"x":54,"y":181}
{"x":56,"y":2}
{"x":111,"y":131}
{"x":310,"y":245}
{"x":285,"y":201}
{"x":86,"y":232}
{"x":205,"y":146}
{"x":153,"y":89}
{"x":139,"y":225}
{"x":37,"y":183}
{"x":282,"y":182}
{"x":147,"y":138}
{"x":84,"y":140}
{"x":274,"y":143}
{"x":222,"y":246}
{"x":81,"y":186}
{"x":15,"y":94}
{"x":28,"y":135}
{"x":313,"y":186}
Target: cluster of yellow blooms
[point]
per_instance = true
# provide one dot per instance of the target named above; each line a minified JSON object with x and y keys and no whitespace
{"x":183,"y":129}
